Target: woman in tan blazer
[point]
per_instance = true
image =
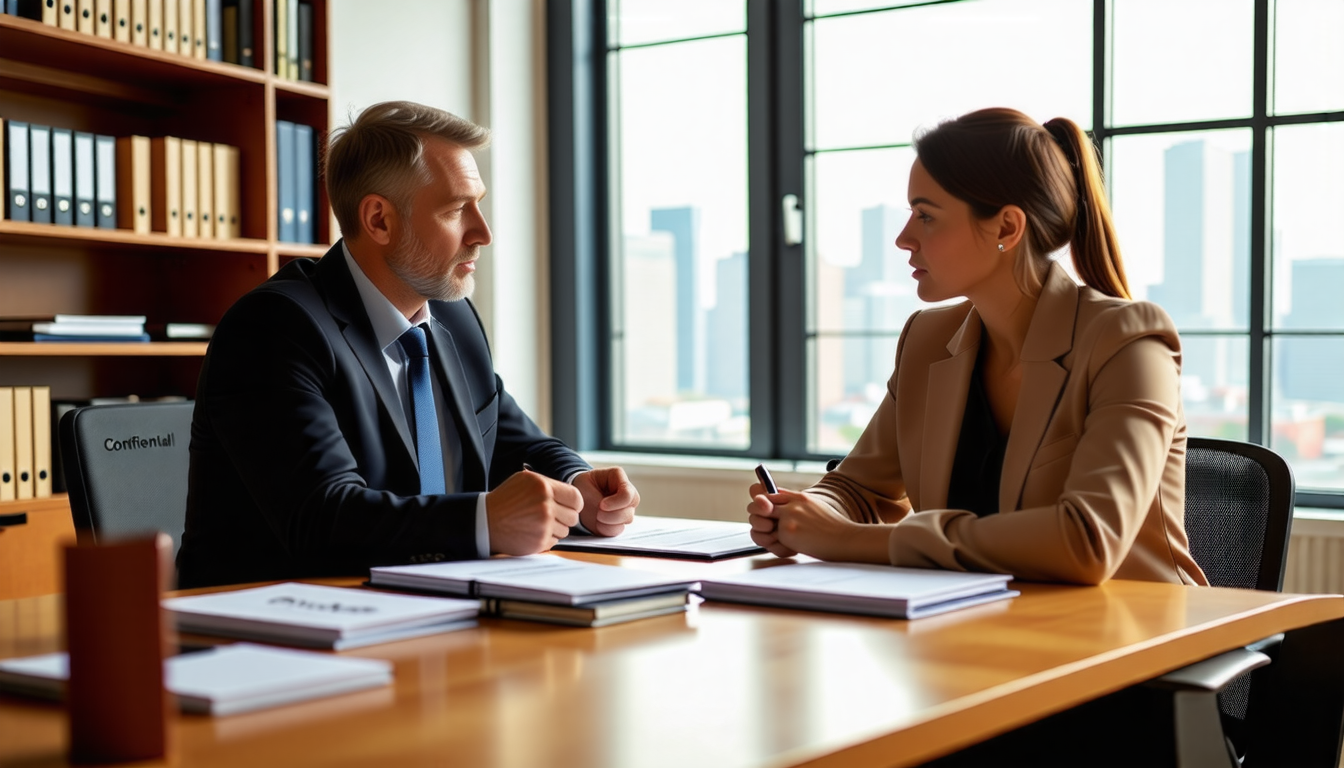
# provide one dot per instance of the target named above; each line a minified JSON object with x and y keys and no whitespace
{"x":1036,"y":428}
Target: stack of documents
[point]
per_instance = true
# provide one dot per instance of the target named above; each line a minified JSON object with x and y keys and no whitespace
{"x":74,"y":328}
{"x":222,"y":681}
{"x":671,"y":537}
{"x":873,"y":590}
{"x":547,"y":588}
{"x":319,"y":617}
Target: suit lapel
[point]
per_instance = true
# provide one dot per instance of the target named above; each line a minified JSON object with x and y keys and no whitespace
{"x":347,"y":308}
{"x":949,"y":383}
{"x":458,"y":391}
{"x":1049,"y":339}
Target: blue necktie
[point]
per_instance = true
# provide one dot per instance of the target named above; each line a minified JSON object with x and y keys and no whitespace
{"x":427,"y":445}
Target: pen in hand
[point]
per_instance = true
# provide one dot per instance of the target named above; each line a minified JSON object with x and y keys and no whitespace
{"x":763,"y":475}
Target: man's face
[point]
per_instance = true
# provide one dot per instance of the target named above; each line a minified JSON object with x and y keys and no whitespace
{"x":441,"y":240}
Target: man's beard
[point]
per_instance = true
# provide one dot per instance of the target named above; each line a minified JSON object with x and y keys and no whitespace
{"x":417,"y":266}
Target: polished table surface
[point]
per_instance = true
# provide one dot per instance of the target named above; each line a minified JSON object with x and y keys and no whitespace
{"x":722,"y":685}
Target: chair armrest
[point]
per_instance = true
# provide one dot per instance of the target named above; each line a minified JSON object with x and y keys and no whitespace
{"x":1212,"y":674}
{"x":1268,"y":645}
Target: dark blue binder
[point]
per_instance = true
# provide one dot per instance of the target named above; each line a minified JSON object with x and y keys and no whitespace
{"x":18,"y":205}
{"x":63,"y":176}
{"x":303,"y":179}
{"x":84,"y":187}
{"x":39,"y":172}
{"x":286,"y":166}
{"x":105,"y":180}
{"x":214,"y":39}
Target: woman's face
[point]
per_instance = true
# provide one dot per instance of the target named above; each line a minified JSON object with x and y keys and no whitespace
{"x":952,"y":253}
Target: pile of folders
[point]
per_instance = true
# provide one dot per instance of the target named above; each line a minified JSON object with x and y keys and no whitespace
{"x":176,"y":186}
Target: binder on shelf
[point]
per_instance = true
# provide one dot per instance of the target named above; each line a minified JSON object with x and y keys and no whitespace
{"x":189,"y":228}
{"x":220,"y":174}
{"x":197,"y":29}
{"x":18,"y":204}
{"x":49,"y":13}
{"x":63,"y":176}
{"x":184,"y":26}
{"x":39,"y":171}
{"x":121,"y":20}
{"x":236,"y":34}
{"x":285,"y":166}
{"x":213,"y":44}
{"x":205,"y":189}
{"x":140,"y":23}
{"x":233,"y":190}
{"x":281,"y":39}
{"x":41,"y":442}
{"x":306,"y":42}
{"x":84,"y":180}
{"x":66,"y":12}
{"x":170,"y":26}
{"x":23,"y":443}
{"x":8,"y":482}
{"x":105,"y":180}
{"x":133,"y":183}
{"x":155,"y":16}
{"x":228,"y":32}
{"x":165,"y":187}
{"x":303,"y":180}
{"x":25,"y":9}
{"x":102,"y":24}
{"x":85,"y":23}
{"x":245,"y":41}
{"x":292,"y":10}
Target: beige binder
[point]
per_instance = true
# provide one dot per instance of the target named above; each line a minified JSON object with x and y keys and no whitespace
{"x":49,"y":14}
{"x":205,"y":189}
{"x":140,"y":22}
{"x":8,"y":483}
{"x":67,"y":13}
{"x":133,"y":188}
{"x":41,"y":442}
{"x":189,"y":190}
{"x":86,"y":22}
{"x":170,"y":26}
{"x":198,"y":29}
{"x":103,"y":20}
{"x":23,"y":442}
{"x":156,"y":24}
{"x":281,"y":38}
{"x":184,"y":26}
{"x":121,"y":20}
{"x":221,"y":176}
{"x":165,"y":184}
{"x":234,"y":191}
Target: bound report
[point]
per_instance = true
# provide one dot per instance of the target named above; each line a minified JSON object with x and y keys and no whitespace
{"x":223,"y":681}
{"x":873,"y":590}
{"x":319,"y":617}
{"x":671,"y":537}
{"x":535,"y":578}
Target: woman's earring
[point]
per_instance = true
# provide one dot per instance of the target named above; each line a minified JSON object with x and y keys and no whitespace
{"x":1000,"y":247}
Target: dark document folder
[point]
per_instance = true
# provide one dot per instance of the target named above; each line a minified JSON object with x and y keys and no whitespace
{"x":105,"y":184}
{"x":304,"y":181}
{"x":284,"y":157}
{"x":18,"y":206}
{"x":306,"y":43}
{"x":84,"y":180}
{"x":63,"y":176}
{"x":39,"y":172}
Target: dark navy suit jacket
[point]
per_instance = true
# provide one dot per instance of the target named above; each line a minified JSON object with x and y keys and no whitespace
{"x":301,"y":460}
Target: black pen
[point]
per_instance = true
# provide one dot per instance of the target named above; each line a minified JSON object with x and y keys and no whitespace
{"x":763,"y":475}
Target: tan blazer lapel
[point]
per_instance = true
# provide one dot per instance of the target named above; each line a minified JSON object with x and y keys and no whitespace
{"x":1049,"y":338}
{"x":949,"y":383}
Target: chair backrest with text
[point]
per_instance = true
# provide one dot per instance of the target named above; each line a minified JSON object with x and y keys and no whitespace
{"x":126,"y":468}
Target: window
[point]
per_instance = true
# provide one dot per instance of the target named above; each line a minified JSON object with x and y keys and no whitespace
{"x":728,"y":282}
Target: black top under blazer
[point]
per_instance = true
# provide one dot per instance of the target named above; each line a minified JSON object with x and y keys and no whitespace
{"x":302,"y":463}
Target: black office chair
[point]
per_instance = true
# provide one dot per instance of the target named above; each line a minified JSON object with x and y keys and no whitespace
{"x":126,"y":468}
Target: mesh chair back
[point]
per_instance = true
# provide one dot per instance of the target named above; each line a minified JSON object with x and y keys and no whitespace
{"x":126,"y":468}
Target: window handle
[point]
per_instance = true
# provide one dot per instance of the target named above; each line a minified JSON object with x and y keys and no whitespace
{"x":793,"y":220}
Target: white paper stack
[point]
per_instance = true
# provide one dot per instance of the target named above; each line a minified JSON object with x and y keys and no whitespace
{"x":670,"y":537}
{"x":320,"y":617}
{"x":223,"y":681}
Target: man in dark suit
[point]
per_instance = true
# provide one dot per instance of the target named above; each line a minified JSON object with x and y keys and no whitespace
{"x":348,"y":413}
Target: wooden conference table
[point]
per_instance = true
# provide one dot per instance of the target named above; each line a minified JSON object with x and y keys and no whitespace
{"x":725,"y":685}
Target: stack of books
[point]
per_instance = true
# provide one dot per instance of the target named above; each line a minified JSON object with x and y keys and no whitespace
{"x":74,"y":328}
{"x":226,"y":680}
{"x":319,"y":617}
{"x":547,"y":588}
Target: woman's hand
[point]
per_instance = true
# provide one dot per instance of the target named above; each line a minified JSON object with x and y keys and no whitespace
{"x":790,"y":522}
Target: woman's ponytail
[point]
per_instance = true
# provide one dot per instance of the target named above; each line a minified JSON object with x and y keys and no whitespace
{"x":1096,"y":251}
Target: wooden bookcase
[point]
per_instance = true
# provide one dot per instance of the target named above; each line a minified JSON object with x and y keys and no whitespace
{"x":67,"y":79}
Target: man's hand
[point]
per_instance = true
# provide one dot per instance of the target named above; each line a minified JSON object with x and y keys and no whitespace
{"x":529,"y":512}
{"x":609,"y":500}
{"x":789,"y":522}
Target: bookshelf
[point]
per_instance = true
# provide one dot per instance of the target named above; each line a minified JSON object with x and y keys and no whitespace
{"x":58,"y":77}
